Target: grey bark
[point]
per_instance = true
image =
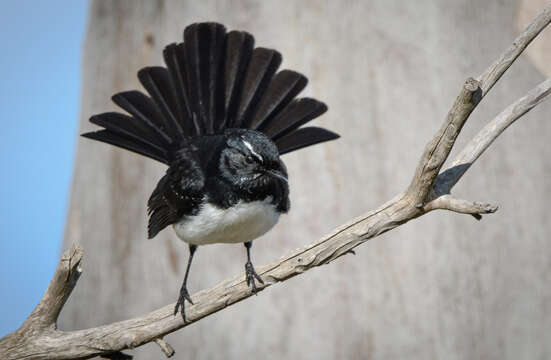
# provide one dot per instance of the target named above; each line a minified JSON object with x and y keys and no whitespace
{"x":440,"y":287}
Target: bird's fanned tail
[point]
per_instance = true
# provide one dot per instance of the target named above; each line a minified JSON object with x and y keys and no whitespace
{"x":212,"y":81}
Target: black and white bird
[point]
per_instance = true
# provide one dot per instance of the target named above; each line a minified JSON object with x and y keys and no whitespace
{"x":220,"y":116}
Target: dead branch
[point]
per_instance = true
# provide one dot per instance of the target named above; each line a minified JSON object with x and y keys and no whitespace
{"x":430,"y":189}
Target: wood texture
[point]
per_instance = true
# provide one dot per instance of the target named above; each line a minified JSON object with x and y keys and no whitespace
{"x":442,"y":287}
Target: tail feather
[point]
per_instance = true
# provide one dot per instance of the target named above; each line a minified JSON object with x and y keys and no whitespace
{"x":211,"y":75}
{"x":128,"y":143}
{"x":174,"y":56}
{"x":285,"y":85}
{"x":126,"y":126}
{"x":143,"y":109}
{"x":191,"y":65}
{"x":192,"y":50}
{"x":296,"y":114}
{"x":156,"y":81}
{"x":264,"y":63}
{"x":303,"y":137}
{"x":204,"y":47}
{"x":239,"y":49}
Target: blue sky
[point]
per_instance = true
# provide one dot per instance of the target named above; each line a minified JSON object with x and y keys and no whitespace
{"x":40,"y":60}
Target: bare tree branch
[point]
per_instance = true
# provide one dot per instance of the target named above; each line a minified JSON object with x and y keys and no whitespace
{"x":429,"y":189}
{"x":451,"y":175}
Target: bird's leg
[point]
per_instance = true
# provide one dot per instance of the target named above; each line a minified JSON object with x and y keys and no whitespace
{"x":184,"y":295}
{"x":249,"y":269}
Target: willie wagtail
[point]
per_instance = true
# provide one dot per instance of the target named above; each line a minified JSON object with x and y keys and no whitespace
{"x":220,"y":116}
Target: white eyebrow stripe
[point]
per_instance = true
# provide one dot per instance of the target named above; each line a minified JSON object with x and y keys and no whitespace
{"x":250,"y":147}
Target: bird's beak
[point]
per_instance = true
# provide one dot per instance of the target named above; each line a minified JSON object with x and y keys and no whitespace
{"x":277,"y":174}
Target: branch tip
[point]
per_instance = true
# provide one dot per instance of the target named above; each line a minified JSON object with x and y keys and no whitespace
{"x":448,"y":202}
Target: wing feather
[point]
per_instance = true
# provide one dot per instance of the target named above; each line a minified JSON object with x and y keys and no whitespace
{"x":178,"y":194}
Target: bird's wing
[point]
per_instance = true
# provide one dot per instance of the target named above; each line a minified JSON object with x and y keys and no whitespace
{"x":178,"y":193}
{"x":213,"y":80}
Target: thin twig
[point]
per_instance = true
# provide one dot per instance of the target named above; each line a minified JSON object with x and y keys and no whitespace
{"x":489,"y":77}
{"x":165,"y":347}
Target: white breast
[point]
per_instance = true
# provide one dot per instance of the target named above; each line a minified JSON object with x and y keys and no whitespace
{"x":242,"y":222}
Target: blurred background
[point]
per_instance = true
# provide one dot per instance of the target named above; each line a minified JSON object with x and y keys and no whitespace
{"x":40,"y":60}
{"x":443,"y":286}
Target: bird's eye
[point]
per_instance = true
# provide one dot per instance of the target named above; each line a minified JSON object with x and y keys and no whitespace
{"x":249,"y":159}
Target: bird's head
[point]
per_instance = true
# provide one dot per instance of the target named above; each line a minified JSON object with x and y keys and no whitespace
{"x":251,"y":160}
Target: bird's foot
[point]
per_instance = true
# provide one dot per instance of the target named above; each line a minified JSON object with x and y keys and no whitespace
{"x":251,"y":275}
{"x":184,"y":295}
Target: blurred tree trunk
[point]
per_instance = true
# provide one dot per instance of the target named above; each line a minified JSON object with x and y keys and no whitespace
{"x":444,"y":286}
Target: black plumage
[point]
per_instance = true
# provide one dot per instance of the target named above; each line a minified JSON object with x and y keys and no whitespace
{"x":220,"y":115}
{"x":213,"y":81}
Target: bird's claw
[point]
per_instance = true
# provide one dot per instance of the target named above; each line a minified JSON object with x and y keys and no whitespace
{"x":251,"y":275}
{"x":184,"y":295}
